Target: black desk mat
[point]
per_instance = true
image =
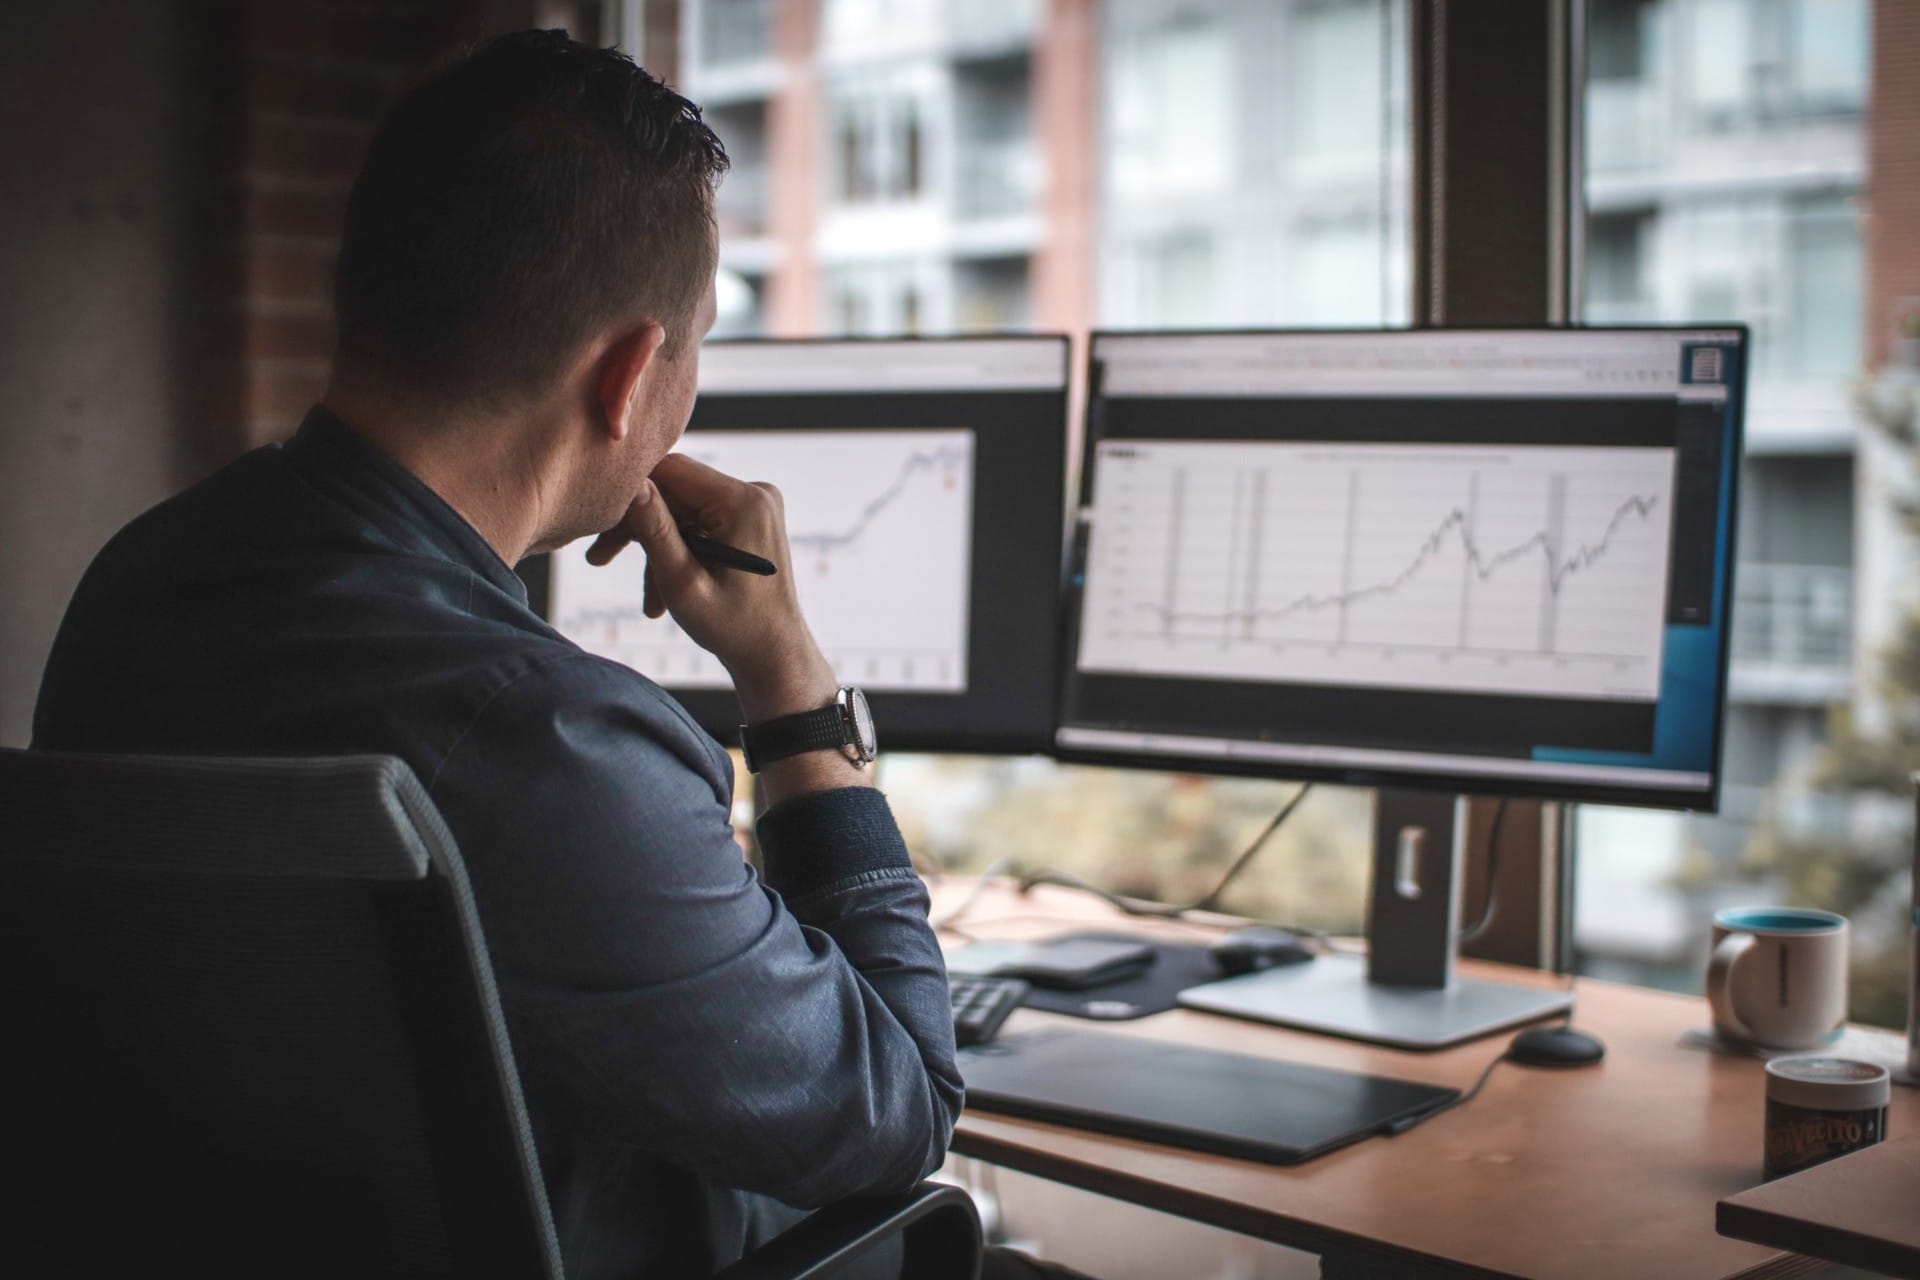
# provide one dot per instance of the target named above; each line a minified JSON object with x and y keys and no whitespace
{"x":1227,"y":1103}
{"x":1176,"y":966}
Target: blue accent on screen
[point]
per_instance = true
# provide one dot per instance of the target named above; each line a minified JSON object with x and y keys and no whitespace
{"x":1686,"y":724}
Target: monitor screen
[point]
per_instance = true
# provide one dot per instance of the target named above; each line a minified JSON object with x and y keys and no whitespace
{"x":1488,"y":561}
{"x":924,"y":483}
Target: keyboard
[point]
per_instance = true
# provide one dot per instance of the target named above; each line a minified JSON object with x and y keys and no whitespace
{"x":981,"y":1004}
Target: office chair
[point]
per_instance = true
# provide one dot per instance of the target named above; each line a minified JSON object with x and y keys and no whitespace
{"x":252,"y":1029}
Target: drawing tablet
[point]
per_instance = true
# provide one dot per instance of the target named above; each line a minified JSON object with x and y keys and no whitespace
{"x":1223,"y":1103}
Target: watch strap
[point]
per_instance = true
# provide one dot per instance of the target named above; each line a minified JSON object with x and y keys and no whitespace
{"x":823,"y":730}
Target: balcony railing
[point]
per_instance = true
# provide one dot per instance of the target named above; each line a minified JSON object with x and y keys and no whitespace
{"x":734,"y":31}
{"x":1792,"y":632}
{"x":860,"y":30}
{"x":1621,"y":311}
{"x":994,"y":179}
{"x":992,"y":24}
{"x":1627,"y":128}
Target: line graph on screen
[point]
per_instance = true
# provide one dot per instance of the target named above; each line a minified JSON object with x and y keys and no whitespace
{"x":880,"y":526}
{"x":1535,"y":570}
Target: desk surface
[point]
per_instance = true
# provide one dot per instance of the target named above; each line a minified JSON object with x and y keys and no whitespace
{"x":1862,"y":1210}
{"x":1604,"y":1171}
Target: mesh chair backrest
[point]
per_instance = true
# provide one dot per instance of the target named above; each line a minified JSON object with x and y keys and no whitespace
{"x":253,"y":1027}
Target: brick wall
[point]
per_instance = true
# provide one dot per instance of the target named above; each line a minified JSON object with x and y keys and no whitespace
{"x":1893,"y":176}
{"x":307,"y":82}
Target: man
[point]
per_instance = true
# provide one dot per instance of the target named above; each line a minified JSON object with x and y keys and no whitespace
{"x":526,"y":274}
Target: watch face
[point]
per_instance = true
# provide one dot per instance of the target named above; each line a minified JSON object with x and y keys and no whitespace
{"x":864,"y":736}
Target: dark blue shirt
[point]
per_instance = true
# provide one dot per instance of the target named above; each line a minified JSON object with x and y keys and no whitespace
{"x":698,"y":1049}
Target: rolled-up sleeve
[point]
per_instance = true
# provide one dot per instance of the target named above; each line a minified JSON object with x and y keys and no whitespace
{"x":790,"y":1038}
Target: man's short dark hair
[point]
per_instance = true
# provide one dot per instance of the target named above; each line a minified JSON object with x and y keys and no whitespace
{"x":513,"y":204}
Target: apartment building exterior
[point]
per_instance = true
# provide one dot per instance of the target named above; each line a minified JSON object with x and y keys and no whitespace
{"x":1019,"y":163}
{"x":908,"y":192}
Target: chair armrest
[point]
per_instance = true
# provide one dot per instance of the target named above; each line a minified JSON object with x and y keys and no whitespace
{"x":940,"y":1223}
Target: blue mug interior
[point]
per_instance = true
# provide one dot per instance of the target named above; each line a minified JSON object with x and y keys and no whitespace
{"x":1777,"y":920}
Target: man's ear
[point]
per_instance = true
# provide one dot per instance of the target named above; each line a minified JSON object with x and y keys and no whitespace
{"x":623,"y":369}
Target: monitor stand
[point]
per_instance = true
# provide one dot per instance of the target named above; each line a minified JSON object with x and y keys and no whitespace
{"x":1404,"y":992}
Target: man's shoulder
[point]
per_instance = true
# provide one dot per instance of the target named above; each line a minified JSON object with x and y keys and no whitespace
{"x":554,"y":681}
{"x":258,"y":480}
{"x":250,"y":512}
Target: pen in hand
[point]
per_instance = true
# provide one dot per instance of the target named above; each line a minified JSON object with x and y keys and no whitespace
{"x":709,"y":551}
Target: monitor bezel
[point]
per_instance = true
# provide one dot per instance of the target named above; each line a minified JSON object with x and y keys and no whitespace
{"x":1704,"y":800}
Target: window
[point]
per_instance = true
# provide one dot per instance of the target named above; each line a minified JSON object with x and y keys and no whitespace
{"x":877,"y":146}
{"x":1336,"y":96}
{"x":1628,"y":116}
{"x":1749,"y":208}
{"x":991,"y":294}
{"x":738,"y":310}
{"x":735,"y":30}
{"x":997,"y":172}
{"x":887,"y":297}
{"x":1171,"y":110}
{"x":860,"y":27}
{"x":1823,"y":248}
{"x":1245,"y":162}
{"x":1169,"y":280}
{"x":1720,"y":59}
{"x":1828,"y":43}
{"x":741,"y":204}
{"x":1256,"y":170}
{"x":1749,"y":63}
{"x":1619,"y":36}
{"x":1338,"y":272}
{"x":1617,"y":247}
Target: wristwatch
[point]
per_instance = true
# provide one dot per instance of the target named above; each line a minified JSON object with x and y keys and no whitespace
{"x":845,"y":726}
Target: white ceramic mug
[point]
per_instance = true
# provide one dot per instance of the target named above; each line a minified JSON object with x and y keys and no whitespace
{"x":1778,"y":975}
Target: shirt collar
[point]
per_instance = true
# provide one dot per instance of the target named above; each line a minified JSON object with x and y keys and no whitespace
{"x":331,"y":453}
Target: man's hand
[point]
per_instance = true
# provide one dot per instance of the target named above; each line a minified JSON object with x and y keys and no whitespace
{"x":751,"y":623}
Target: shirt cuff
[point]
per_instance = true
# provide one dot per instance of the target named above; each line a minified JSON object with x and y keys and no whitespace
{"x":819,"y":839}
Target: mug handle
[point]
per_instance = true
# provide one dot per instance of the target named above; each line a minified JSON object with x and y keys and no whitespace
{"x":1720,"y":982}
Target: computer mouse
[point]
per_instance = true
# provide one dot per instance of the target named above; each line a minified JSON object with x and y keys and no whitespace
{"x":1555,"y":1047}
{"x":1259,"y":947}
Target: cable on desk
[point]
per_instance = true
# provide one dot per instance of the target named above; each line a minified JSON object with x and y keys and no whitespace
{"x":1405,"y":1123}
{"x":1126,"y":906}
{"x":1212,"y":897}
{"x":1492,"y":899}
{"x":994,"y":868}
{"x":1141,"y":908}
{"x":1025,"y":881}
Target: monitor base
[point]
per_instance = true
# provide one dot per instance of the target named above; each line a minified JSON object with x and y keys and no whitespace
{"x":1333,"y":996}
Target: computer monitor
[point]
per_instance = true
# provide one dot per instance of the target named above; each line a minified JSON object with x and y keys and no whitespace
{"x":925,"y":488}
{"x":1490,"y":561}
{"x":1494,"y":561}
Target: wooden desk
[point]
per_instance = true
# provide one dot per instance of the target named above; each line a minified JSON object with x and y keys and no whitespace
{"x":1608,"y":1171}
{"x":1862,"y":1210}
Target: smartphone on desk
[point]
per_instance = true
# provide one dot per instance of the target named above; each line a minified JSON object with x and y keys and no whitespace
{"x":1067,"y":964}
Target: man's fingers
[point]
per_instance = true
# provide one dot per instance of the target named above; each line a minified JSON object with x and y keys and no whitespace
{"x":608,"y":545}
{"x":650,"y":602}
{"x":695,"y":490}
{"x":652,"y":525}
